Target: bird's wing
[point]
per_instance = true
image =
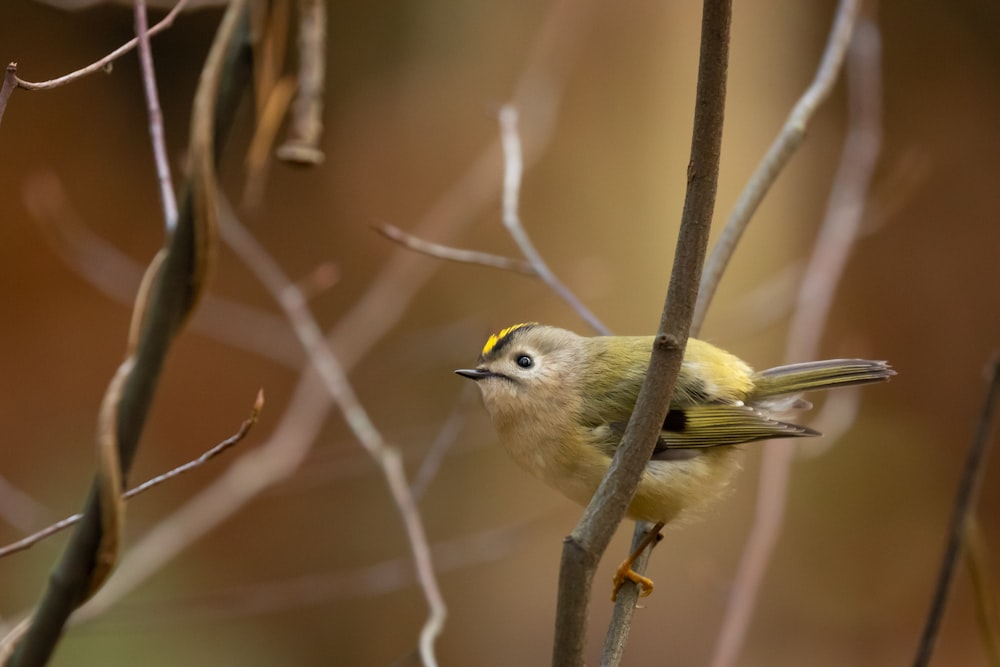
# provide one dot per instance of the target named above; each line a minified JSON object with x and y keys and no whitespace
{"x":720,"y":424}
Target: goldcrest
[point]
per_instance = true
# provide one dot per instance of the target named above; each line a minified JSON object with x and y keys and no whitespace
{"x":560,"y":403}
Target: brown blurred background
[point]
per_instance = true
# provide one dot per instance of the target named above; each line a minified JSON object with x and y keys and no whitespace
{"x":412,"y":87}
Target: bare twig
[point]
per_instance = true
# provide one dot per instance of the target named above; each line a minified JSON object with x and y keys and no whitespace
{"x":167,"y":196}
{"x":106,"y":61}
{"x":841,"y":226}
{"x":322,"y":358}
{"x":965,"y":499}
{"x":583,"y":548}
{"x":777,"y":156}
{"x":510,"y":139}
{"x":440,"y":251}
{"x":306,"y":128}
{"x":32,"y":540}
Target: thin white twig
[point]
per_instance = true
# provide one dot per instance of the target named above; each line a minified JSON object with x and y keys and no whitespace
{"x":167,"y":196}
{"x":840,"y":228}
{"x":510,"y":140}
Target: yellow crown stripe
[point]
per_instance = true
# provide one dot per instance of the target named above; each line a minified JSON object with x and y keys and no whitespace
{"x":492,"y":341}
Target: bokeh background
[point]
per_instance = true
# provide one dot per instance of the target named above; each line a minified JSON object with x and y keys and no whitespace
{"x":412,"y":91}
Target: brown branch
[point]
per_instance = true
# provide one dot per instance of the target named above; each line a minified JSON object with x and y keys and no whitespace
{"x":32,"y":540}
{"x":841,"y":226}
{"x":451,"y":254}
{"x":965,"y":500}
{"x":777,"y":156}
{"x":583,"y":548}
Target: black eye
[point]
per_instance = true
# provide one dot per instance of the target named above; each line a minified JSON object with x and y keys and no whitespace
{"x":524,"y":361}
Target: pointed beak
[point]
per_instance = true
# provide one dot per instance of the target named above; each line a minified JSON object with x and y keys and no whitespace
{"x":474,"y":373}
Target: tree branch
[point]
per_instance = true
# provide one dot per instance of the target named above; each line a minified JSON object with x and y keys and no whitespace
{"x":583,"y":548}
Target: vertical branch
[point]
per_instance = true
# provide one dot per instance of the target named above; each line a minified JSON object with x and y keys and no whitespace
{"x":583,"y":548}
{"x":840,"y":228}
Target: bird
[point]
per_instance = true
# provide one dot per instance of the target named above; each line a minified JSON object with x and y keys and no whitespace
{"x":560,"y":403}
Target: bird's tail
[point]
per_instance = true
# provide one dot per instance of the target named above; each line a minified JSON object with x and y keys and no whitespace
{"x":815,"y":375}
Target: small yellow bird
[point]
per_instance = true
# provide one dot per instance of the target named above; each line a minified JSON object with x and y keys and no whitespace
{"x":560,"y":403}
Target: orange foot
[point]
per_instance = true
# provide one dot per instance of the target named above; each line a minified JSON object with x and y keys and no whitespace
{"x":625,"y":570}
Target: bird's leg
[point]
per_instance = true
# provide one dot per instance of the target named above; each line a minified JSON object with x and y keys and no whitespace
{"x":625,"y":570}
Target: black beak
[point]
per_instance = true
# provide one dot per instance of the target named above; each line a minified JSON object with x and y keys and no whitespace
{"x":474,"y":373}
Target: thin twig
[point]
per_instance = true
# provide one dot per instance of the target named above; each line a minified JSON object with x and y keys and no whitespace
{"x":777,"y":156}
{"x":582,"y":550}
{"x":965,"y":499}
{"x":229,"y":442}
{"x":322,"y":358}
{"x":104,"y":62}
{"x":167,"y":196}
{"x":510,"y":139}
{"x":841,"y":226}
{"x":449,"y":253}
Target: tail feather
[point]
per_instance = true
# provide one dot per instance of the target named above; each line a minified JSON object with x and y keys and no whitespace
{"x":815,"y":375}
